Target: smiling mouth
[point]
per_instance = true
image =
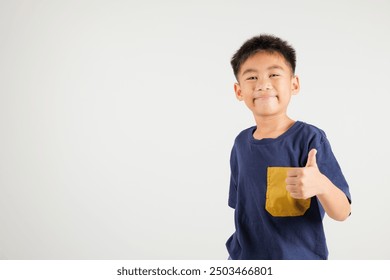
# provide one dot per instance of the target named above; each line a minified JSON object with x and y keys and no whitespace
{"x":264,"y":97}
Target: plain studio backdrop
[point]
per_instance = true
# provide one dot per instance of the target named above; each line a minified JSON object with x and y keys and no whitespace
{"x":117,"y":119}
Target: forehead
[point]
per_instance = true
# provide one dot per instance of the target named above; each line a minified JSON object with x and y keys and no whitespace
{"x":262,"y":61}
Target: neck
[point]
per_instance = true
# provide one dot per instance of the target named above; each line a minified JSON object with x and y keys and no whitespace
{"x":272,"y":127}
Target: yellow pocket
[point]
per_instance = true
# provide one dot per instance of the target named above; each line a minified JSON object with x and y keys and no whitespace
{"x":278,"y":202}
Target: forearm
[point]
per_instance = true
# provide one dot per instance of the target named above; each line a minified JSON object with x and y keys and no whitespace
{"x":334,"y":201}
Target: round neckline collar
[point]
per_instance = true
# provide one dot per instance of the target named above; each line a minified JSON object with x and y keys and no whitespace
{"x":263,"y":141}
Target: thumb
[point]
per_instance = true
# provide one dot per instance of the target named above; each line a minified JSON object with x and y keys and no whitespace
{"x":311,"y":158}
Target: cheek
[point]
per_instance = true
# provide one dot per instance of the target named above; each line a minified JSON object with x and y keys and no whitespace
{"x":285,"y":88}
{"x":282,"y":83}
{"x":247,"y":88}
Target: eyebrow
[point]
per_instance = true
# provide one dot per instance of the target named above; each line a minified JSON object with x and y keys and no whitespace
{"x":275,"y":67}
{"x":250,"y":70}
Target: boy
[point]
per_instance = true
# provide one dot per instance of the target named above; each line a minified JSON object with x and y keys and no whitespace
{"x":279,"y":210}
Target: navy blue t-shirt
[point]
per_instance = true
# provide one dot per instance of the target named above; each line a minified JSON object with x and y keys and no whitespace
{"x":258,"y":234}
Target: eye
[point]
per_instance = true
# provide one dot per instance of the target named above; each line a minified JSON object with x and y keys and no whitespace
{"x":252,"y":78}
{"x":274,"y":75}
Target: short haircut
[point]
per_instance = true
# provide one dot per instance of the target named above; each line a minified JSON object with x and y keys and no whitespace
{"x":267,"y":43}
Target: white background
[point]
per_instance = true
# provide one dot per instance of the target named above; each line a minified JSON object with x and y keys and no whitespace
{"x":117,"y":119}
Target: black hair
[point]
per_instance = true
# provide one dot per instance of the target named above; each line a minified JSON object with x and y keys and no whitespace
{"x":267,"y":43}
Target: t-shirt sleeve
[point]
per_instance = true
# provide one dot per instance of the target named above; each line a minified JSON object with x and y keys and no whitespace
{"x":232,"y":201}
{"x":329,"y":166}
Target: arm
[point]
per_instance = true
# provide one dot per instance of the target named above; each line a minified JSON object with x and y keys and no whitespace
{"x":306,"y":182}
{"x":334,"y":201}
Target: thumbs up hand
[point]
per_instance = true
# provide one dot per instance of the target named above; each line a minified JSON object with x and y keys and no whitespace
{"x":311,"y":159}
{"x":305,"y":182}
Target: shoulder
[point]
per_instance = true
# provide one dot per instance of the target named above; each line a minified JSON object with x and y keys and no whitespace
{"x":310,"y":131}
{"x":244,"y":135}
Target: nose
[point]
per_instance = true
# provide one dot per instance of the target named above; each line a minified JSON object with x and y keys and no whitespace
{"x":263,"y":85}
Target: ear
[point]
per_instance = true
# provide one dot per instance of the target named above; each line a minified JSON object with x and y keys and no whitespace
{"x":295,"y":86}
{"x":237,"y":90}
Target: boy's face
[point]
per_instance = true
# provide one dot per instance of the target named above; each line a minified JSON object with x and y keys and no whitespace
{"x":265,"y":84}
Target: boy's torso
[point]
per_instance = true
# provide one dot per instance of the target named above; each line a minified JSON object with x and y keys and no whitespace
{"x":259,"y":235}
